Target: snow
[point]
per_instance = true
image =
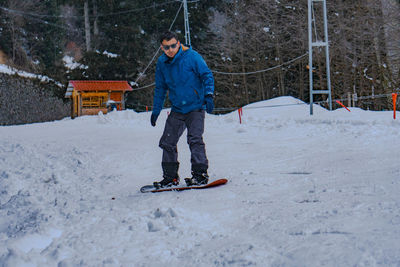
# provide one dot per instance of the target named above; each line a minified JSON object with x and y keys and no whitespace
{"x":303,"y":190}
{"x":36,"y":241}
{"x":266,"y":29}
{"x":110,"y":55}
{"x":13,"y":71}
{"x":71,"y":64}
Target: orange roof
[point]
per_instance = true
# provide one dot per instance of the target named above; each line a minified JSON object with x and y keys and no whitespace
{"x":101,"y":85}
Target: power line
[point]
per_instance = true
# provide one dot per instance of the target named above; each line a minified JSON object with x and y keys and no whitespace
{"x":19,"y":12}
{"x":143,"y":87}
{"x":39,"y":17}
{"x":260,"y":71}
{"x":294,"y":104}
{"x":158,"y":50}
{"x":137,"y":9}
{"x":232,"y":73}
{"x":54,"y":24}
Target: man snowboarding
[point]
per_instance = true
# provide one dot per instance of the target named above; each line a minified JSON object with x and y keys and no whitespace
{"x":184,"y":74}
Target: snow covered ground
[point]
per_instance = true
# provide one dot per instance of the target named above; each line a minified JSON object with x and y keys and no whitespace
{"x":303,"y":190}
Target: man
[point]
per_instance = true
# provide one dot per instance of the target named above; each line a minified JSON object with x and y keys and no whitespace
{"x":184,"y":73}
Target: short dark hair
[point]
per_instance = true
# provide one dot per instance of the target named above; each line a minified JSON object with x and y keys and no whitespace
{"x":168,"y":36}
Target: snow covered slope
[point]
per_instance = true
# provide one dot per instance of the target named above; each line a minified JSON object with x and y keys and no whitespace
{"x":303,"y":190}
{"x":12,"y":71}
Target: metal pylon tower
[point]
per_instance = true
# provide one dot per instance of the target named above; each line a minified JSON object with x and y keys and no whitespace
{"x":314,"y":42}
{"x":187,"y":28}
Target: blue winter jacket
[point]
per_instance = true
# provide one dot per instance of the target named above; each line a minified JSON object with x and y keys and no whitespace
{"x":186,"y":77}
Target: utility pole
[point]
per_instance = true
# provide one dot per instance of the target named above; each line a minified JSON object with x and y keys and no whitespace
{"x":318,"y":43}
{"x":186,"y":16}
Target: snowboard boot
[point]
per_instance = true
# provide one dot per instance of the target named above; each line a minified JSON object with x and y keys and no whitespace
{"x":199,"y":175}
{"x":171,"y":177}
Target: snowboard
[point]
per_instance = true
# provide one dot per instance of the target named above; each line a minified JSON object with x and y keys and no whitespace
{"x":152,"y":189}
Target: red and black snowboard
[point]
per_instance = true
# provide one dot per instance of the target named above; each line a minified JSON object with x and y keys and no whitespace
{"x":151,"y":188}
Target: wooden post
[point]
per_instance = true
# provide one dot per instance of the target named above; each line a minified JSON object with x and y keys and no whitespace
{"x":72,"y":108}
{"x":348,"y":99}
{"x":354,"y":99}
{"x":79,"y":105}
{"x":123,"y":100}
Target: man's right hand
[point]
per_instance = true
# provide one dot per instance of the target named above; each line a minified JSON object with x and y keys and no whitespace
{"x":153,"y":118}
{"x":209,"y":103}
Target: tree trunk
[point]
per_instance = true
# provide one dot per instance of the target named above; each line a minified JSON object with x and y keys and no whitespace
{"x":391,"y":18}
{"x":244,"y":75}
{"x":14,"y":41}
{"x":282,"y":90}
{"x":87,"y":25}
{"x":301,"y":80}
{"x":260,"y":82}
{"x":242,"y":61}
{"x":95,"y":23}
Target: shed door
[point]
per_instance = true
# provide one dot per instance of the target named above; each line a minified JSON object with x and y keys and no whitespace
{"x":117,"y":97}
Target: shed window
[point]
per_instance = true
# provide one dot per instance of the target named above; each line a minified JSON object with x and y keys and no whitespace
{"x":94,"y":101}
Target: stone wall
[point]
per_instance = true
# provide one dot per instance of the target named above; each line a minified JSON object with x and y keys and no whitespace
{"x":25,"y":100}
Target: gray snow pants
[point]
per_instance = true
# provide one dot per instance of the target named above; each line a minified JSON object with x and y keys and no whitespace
{"x":174,"y":128}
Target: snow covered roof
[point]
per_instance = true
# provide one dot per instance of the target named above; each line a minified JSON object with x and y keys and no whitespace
{"x":97,"y":86}
{"x":101,"y":85}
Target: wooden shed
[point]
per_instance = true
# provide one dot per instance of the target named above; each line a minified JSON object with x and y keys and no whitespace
{"x":90,"y":97}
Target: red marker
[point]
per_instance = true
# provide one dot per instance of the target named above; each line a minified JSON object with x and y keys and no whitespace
{"x":340,"y":103}
{"x":394,"y":97}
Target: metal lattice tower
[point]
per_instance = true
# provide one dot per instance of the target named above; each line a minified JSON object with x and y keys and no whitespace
{"x":187,"y":28}
{"x":314,"y":42}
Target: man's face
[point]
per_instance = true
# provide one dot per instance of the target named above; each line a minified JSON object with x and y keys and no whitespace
{"x":170,"y":47}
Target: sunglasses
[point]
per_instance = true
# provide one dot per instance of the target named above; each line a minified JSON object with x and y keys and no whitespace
{"x":167,"y":47}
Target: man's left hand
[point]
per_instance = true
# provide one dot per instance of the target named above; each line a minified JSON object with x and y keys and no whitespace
{"x":209,"y":103}
{"x":153,"y":118}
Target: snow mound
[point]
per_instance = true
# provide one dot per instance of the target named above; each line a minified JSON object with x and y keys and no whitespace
{"x":278,"y":102}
